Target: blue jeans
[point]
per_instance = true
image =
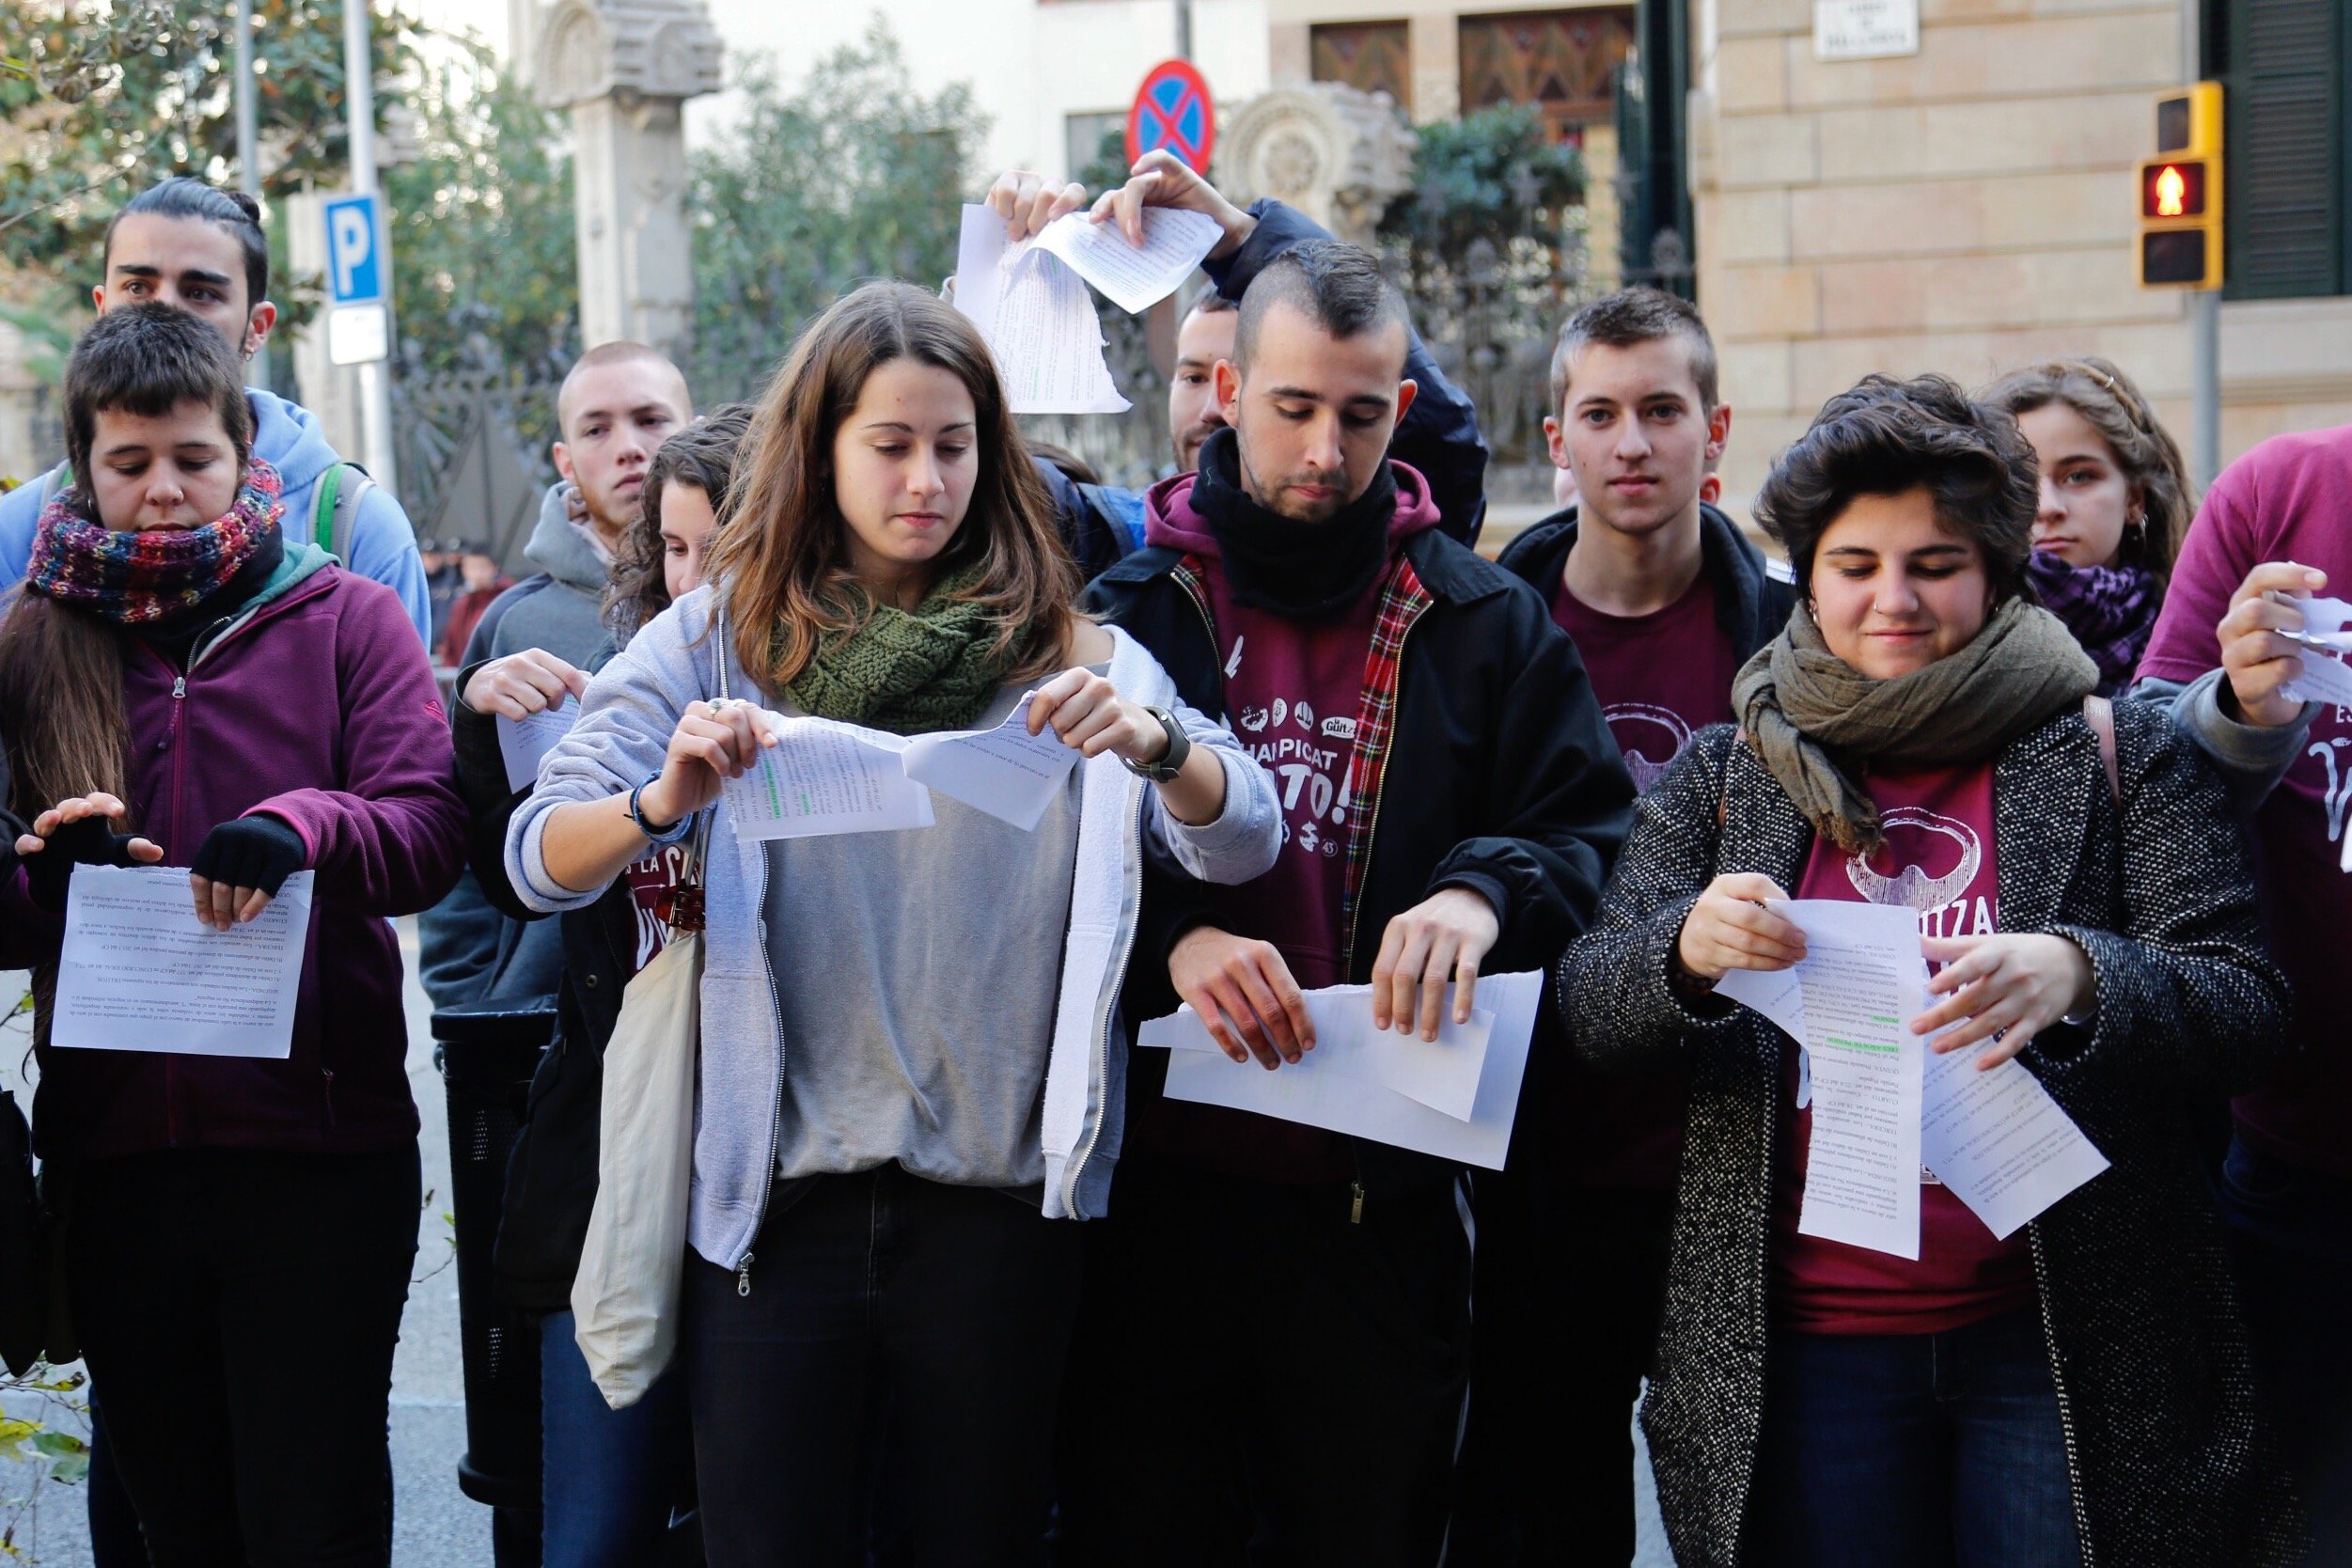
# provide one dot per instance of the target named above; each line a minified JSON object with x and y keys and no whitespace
{"x":2290,"y":1235}
{"x":1932,"y":1450}
{"x":611,"y":1477}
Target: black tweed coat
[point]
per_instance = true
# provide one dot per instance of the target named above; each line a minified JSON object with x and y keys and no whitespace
{"x":2166,"y":1461}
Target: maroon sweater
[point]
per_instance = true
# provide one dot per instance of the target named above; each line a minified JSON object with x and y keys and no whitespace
{"x":319,"y":710}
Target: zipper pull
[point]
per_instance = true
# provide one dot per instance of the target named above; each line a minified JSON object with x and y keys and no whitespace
{"x":179,"y":687}
{"x":743,"y":1276}
{"x":1355,"y":1209}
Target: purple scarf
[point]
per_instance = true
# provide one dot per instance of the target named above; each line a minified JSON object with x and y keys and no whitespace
{"x":2110,"y":609}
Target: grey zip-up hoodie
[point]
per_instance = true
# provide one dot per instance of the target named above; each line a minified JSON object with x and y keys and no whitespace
{"x":633,"y":707}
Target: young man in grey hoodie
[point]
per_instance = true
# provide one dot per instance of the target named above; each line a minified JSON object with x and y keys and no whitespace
{"x":537,"y":640}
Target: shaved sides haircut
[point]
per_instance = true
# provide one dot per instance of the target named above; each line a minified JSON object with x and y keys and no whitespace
{"x":1337,"y":285}
{"x":616,"y":354}
{"x":1632,"y":316}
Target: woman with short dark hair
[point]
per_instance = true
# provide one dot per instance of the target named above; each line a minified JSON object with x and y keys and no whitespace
{"x":2077,"y":1391}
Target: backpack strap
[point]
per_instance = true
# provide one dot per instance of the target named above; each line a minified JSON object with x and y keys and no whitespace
{"x":2099,"y":713}
{"x":335,"y":507}
{"x":51,"y":482}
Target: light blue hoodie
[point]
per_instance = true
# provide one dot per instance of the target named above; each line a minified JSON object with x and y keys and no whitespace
{"x":286,"y":437}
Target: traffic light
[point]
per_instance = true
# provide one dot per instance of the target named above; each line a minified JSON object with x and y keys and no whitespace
{"x":2180,"y":193}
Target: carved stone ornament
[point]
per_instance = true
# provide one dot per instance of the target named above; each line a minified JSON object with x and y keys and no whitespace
{"x":626,"y":49}
{"x":1335,"y":152}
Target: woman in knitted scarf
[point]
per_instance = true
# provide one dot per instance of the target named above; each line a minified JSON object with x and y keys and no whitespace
{"x":910,"y":1061}
{"x":181,"y":685}
{"x":2031,"y":1386}
{"x":2115,"y":503}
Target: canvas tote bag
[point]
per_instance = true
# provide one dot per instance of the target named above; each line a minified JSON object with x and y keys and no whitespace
{"x":632,"y":1267}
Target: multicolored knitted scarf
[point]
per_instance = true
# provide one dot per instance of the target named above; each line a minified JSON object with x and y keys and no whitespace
{"x":2110,"y":610}
{"x":136,"y":577}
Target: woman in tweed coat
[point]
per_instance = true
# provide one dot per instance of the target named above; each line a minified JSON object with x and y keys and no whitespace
{"x":2079,"y":1393}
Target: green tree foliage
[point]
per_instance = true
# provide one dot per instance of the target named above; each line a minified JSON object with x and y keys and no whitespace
{"x":97,"y":102}
{"x":485,"y":259}
{"x":853,"y":175}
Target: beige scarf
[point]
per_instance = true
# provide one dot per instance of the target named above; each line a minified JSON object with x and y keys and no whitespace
{"x":1818,"y":723}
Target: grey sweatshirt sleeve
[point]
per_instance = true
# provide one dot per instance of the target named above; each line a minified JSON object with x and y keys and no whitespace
{"x":1241,"y":845}
{"x":2251,"y":759}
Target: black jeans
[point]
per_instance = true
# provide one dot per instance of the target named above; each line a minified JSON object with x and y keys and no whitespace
{"x":1259,"y":1378}
{"x":1570,"y":1290}
{"x":238,"y":1310}
{"x":880,"y":1298}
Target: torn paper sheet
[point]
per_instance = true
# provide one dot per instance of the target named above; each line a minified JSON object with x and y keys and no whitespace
{"x":1344,"y":1103}
{"x":1995,"y":1138}
{"x":1442,"y":1073}
{"x":524,"y":742}
{"x":1005,"y":771}
{"x":139,"y":972}
{"x":1037,"y":321}
{"x":823,"y":778}
{"x":1133,"y":277}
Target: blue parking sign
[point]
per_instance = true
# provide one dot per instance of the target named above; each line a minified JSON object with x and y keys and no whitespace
{"x":356,"y":269}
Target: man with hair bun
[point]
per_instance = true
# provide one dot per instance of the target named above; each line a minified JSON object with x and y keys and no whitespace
{"x":1275,"y":1314}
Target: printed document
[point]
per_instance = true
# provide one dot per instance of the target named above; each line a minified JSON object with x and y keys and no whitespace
{"x":1885,"y":1107}
{"x":1005,"y":771}
{"x":1442,"y":1073}
{"x":1389,"y":1092}
{"x":524,"y":742}
{"x":140,"y":973}
{"x":823,"y":777}
{"x":2323,"y":676}
{"x":1038,"y":319}
{"x":1133,"y":277}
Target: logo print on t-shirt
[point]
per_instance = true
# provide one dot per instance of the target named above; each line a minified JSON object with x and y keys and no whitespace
{"x":1914,"y":886}
{"x":1640,"y":728}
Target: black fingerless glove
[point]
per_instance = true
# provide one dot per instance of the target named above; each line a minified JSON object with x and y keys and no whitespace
{"x":259,"y":852}
{"x":90,"y":841}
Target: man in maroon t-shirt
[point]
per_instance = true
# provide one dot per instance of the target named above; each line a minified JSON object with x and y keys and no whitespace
{"x":1665,"y":599}
{"x":2277,"y":528}
{"x":1273,"y":1337}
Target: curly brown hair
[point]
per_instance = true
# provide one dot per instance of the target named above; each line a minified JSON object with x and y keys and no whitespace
{"x":702,"y":455}
{"x":1886,"y":436}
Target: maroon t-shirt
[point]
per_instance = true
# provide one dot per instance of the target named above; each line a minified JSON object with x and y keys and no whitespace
{"x":648,"y":879}
{"x":2289,"y":499}
{"x":1939,"y":860}
{"x":1292,"y":691}
{"x":1659,"y":678}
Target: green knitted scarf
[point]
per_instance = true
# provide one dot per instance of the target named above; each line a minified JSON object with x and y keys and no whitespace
{"x":909,"y":672}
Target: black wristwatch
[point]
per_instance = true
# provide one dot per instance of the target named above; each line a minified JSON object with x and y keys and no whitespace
{"x":1171,"y":763}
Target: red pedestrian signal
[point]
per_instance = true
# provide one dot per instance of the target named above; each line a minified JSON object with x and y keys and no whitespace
{"x":2175,"y":189}
{"x":2180,"y":191}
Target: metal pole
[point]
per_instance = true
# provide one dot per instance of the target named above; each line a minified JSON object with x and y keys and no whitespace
{"x":1184,"y":29}
{"x":248,"y":156}
{"x":2204,"y":326}
{"x":2204,"y":306}
{"x":359,"y":86}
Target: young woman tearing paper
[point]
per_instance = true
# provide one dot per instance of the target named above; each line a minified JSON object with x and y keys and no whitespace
{"x":2078,"y":1391}
{"x":911,"y":1059}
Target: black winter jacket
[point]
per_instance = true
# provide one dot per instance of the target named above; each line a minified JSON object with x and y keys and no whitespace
{"x":2169,"y":1465}
{"x":1500,"y":776}
{"x":1752,"y":594}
